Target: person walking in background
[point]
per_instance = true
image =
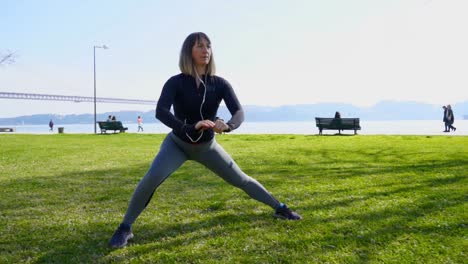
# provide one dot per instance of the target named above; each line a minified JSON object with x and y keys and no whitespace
{"x":450,"y":118}
{"x":140,"y":123}
{"x":195,"y":95}
{"x":51,"y":125}
{"x":446,"y":119}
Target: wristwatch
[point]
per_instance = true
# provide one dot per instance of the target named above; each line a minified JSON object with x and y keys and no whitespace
{"x":226,"y":130}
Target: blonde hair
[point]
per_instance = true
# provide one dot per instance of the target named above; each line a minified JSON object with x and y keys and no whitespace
{"x":186,"y":64}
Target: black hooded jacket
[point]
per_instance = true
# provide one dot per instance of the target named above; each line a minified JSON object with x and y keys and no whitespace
{"x":181,"y":93}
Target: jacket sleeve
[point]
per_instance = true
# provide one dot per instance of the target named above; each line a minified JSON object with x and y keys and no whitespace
{"x":163,"y":109}
{"x":233,"y":106}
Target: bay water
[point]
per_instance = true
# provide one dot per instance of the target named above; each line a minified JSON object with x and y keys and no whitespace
{"x":403,"y":127}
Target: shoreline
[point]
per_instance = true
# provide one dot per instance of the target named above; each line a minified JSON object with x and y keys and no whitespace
{"x":405,"y":127}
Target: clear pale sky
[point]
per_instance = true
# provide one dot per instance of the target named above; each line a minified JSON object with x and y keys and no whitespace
{"x":272,"y":52}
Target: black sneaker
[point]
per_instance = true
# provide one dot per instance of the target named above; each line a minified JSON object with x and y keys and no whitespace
{"x":284,"y":212}
{"x":121,"y":236}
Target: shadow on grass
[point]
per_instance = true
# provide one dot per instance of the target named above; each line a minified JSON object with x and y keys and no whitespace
{"x":104,"y":194}
{"x":409,"y":230}
{"x":369,"y":232}
{"x":92,"y":199}
{"x":89,"y":243}
{"x":67,"y":243}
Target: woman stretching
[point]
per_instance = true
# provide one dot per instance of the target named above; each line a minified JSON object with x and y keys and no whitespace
{"x":195,"y":95}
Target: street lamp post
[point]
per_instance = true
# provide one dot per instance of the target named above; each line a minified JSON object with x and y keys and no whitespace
{"x":94,"y":57}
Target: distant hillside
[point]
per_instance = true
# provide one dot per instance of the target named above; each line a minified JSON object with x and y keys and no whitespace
{"x":385,"y":110}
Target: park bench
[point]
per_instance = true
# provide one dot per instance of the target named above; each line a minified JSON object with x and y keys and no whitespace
{"x":113,"y":125}
{"x":7,"y":129}
{"x":339,"y":124}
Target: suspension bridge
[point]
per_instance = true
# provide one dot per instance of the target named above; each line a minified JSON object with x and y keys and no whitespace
{"x":76,"y":99}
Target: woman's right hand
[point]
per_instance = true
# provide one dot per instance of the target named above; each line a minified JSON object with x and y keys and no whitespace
{"x":204,"y":124}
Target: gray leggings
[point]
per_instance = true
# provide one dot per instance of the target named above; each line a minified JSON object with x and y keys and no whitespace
{"x":173,"y":153}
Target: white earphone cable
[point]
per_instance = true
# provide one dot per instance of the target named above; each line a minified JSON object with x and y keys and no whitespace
{"x":201,"y":106}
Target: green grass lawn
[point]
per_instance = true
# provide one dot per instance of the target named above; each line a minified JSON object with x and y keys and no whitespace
{"x":364,"y":199}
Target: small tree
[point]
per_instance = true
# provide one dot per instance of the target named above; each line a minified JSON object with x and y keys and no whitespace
{"x":7,"y":58}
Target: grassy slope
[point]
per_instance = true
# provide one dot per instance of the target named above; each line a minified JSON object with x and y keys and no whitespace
{"x":363,"y":198}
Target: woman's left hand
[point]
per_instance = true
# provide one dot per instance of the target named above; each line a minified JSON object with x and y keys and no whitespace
{"x":220,"y":126}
